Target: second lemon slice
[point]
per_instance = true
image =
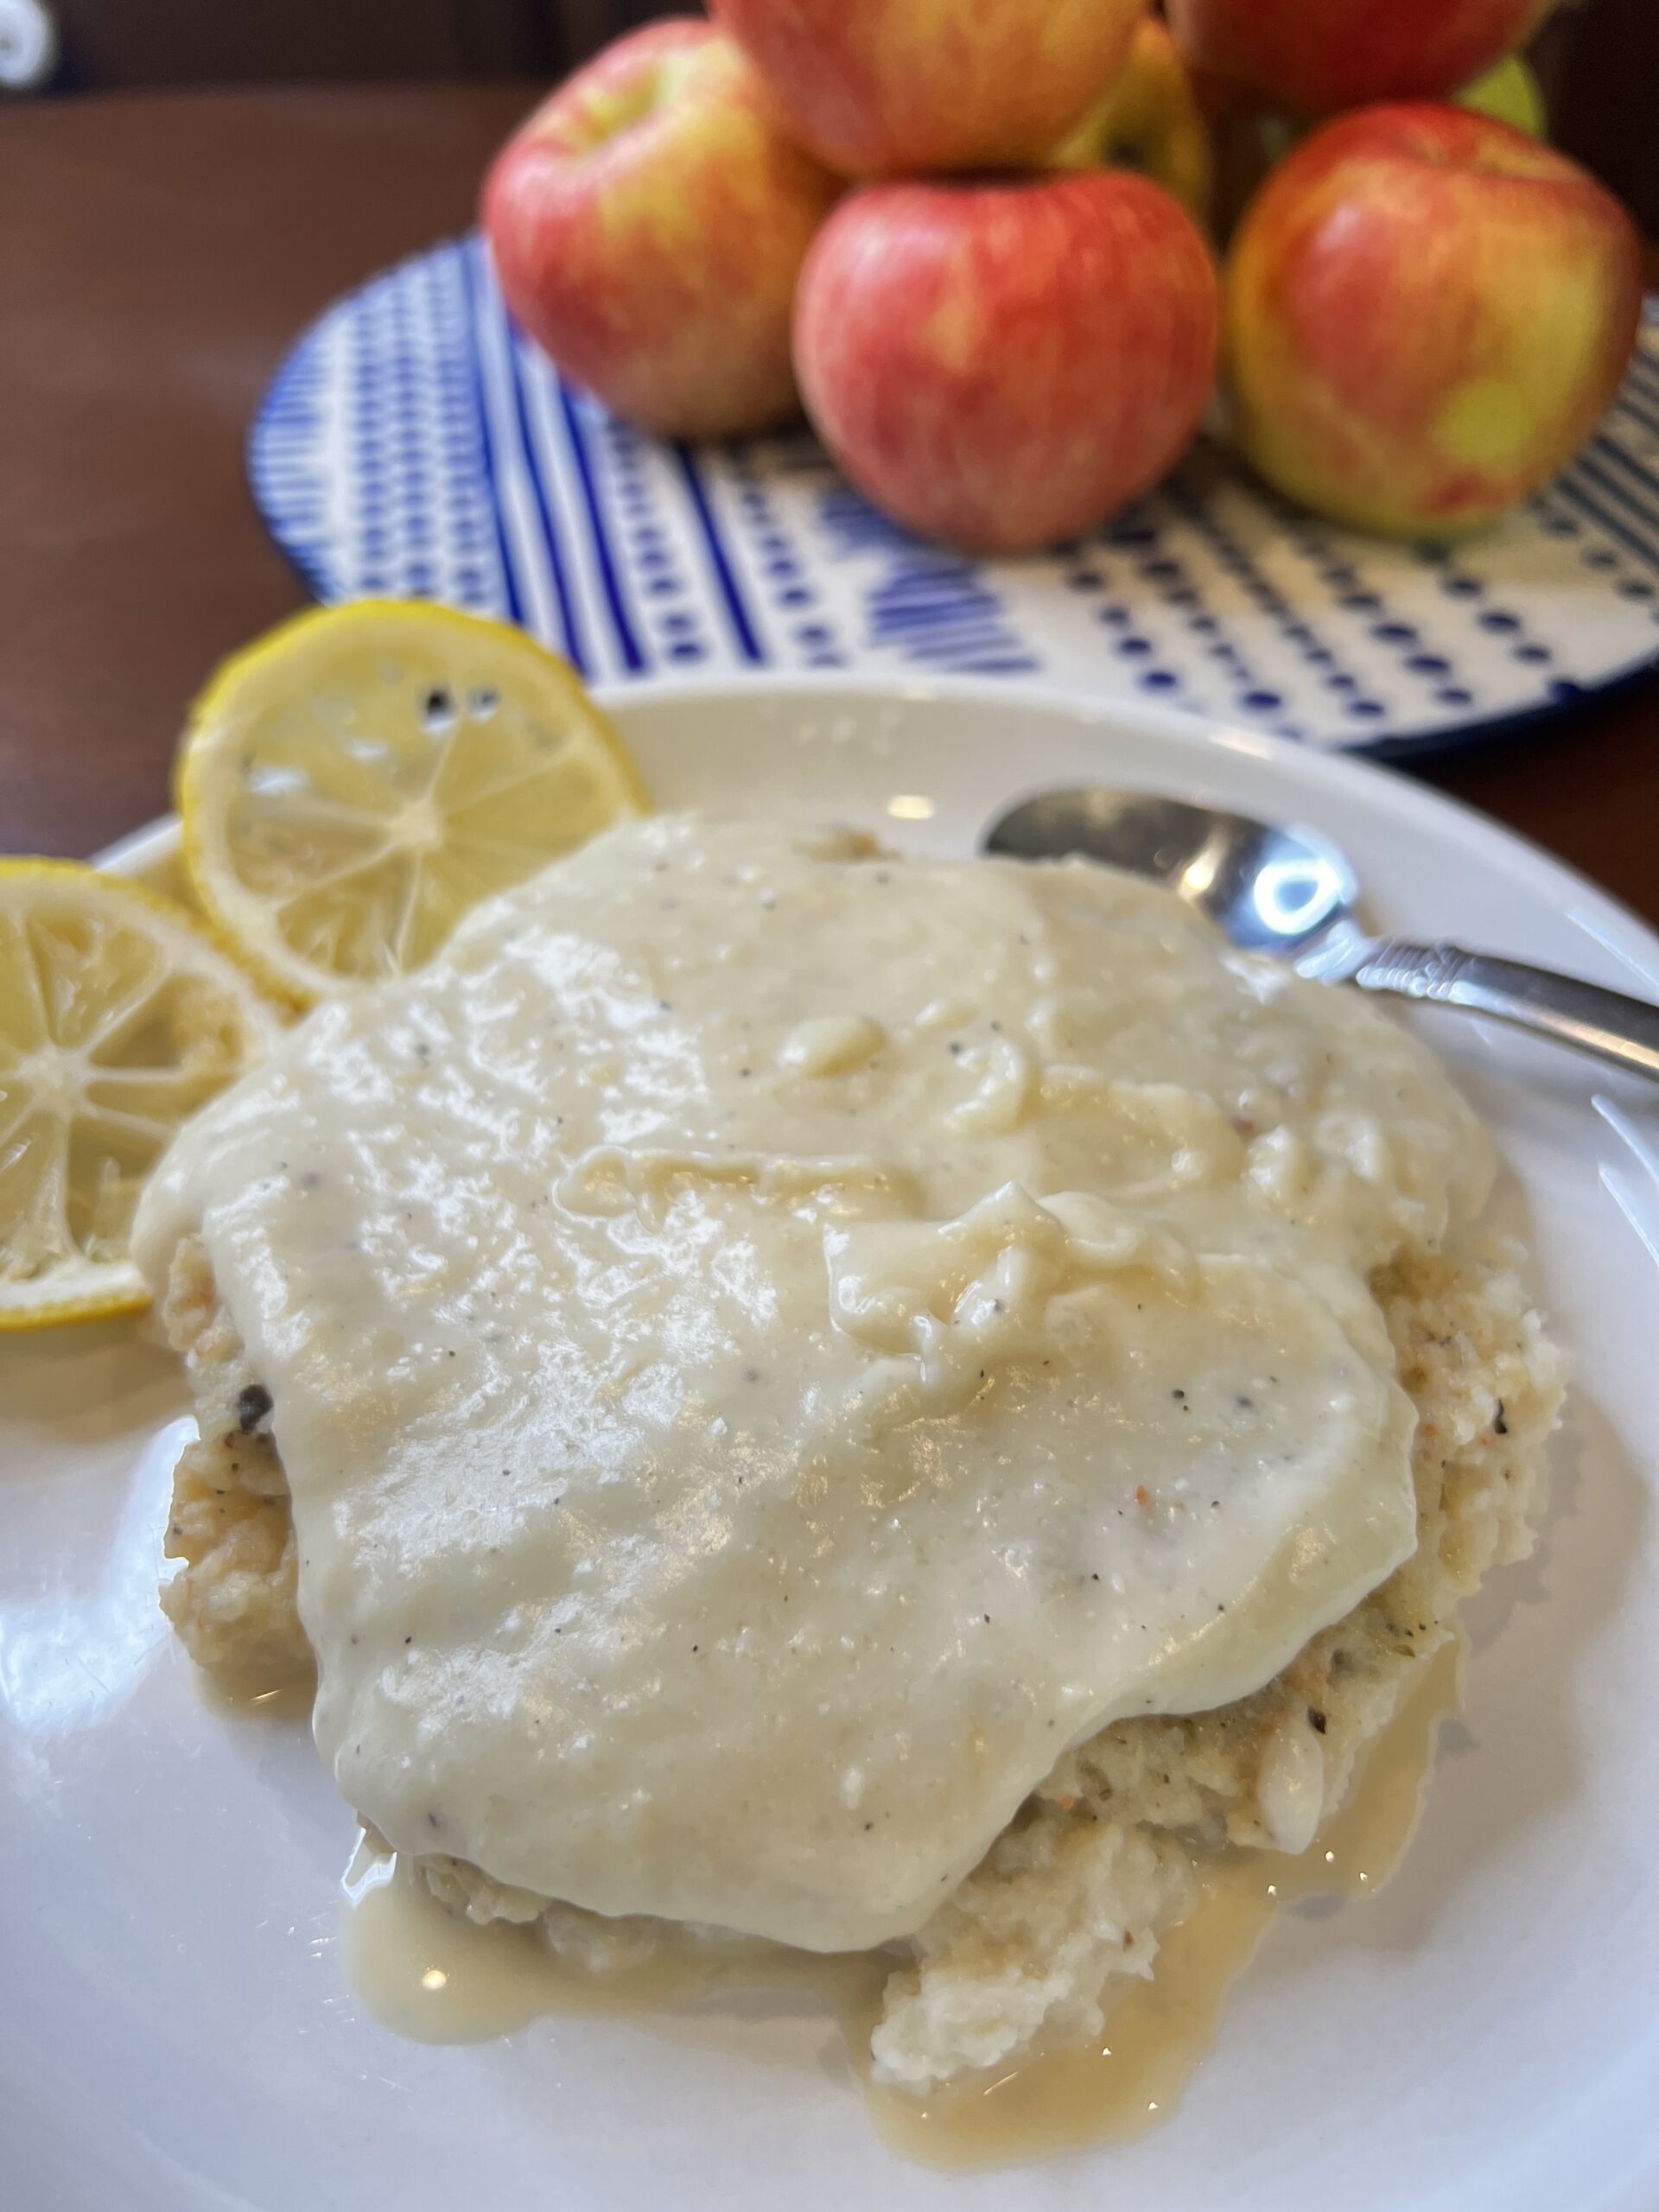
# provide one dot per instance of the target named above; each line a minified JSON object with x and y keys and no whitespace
{"x":119,"y":1018}
{"x":357,"y":779}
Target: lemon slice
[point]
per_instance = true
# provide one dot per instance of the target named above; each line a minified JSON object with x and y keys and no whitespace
{"x":356,"y":780}
{"x":119,"y":1017}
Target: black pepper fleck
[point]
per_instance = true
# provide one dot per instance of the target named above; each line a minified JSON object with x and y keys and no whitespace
{"x":252,"y":1406}
{"x":1316,"y":1721}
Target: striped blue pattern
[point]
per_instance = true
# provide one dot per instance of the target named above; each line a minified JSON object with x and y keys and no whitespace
{"x":414,"y":442}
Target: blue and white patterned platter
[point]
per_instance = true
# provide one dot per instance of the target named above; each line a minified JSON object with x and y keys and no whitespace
{"x":414,"y":442}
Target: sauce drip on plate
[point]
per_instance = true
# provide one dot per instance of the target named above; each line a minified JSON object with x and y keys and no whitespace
{"x":430,"y":1974}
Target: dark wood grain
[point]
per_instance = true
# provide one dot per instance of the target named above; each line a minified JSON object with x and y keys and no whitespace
{"x":157,"y":255}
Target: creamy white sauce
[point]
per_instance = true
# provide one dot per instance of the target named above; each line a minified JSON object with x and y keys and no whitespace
{"x":771,"y":1344}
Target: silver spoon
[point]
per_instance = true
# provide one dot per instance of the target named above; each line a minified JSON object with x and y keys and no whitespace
{"x":1288,"y":890}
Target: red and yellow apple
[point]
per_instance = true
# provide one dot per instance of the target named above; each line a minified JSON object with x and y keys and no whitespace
{"x":887,"y":87}
{"x":1425,"y":313}
{"x":648,"y":223}
{"x":1002,"y":365}
{"x":1336,"y":53}
{"x":1148,"y":119}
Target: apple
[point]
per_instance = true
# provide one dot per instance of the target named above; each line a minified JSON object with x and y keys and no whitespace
{"x":1248,"y":140}
{"x":1339,"y":53}
{"x":1002,"y":365}
{"x":1512,"y":94}
{"x":648,"y":223}
{"x":1425,"y":313}
{"x":1148,"y":119}
{"x":884,"y":87}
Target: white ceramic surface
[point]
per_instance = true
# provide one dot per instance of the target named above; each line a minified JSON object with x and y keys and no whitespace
{"x":176,"y":2034}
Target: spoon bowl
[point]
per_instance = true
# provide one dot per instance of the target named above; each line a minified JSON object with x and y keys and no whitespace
{"x":1285,"y":889}
{"x":1269,"y":888}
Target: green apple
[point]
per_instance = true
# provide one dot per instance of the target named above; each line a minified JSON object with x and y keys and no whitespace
{"x":1510,"y":91}
{"x":1148,"y":119}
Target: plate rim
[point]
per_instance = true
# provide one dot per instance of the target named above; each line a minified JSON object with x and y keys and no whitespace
{"x":1193,"y":738}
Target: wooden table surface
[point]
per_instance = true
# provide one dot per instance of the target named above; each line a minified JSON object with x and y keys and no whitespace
{"x":157,"y":256}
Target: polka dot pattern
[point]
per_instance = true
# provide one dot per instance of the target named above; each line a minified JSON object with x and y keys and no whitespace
{"x":413,"y":443}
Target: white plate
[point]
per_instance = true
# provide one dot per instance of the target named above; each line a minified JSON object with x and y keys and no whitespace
{"x":176,"y":2031}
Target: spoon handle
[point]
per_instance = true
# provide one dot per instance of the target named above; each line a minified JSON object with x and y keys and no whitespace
{"x":1592,"y":1020}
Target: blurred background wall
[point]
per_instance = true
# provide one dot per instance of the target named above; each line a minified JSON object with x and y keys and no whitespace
{"x":1598,"y":59}
{"x":111,"y":44}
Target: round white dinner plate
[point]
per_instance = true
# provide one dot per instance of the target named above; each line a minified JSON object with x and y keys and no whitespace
{"x":177,"y":2029}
